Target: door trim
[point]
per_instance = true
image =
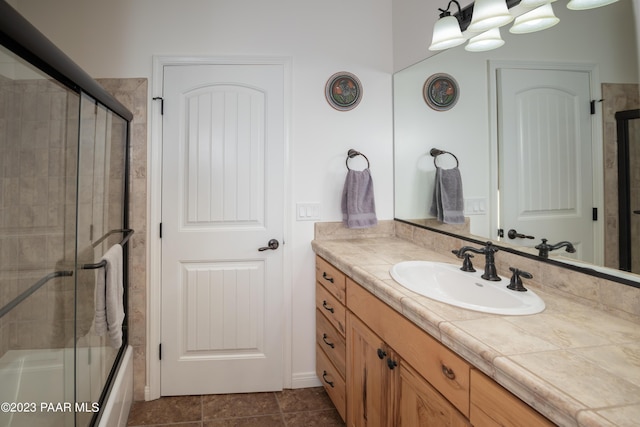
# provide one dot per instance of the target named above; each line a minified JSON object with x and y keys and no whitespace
{"x":596,"y":138}
{"x":154,"y":207}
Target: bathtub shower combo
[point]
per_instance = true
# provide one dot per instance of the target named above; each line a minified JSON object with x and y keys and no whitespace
{"x":64,"y":146}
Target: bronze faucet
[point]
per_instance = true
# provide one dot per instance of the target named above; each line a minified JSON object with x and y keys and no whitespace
{"x":488,"y":251}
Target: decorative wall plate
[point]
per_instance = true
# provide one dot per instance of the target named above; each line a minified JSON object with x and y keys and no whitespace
{"x":343,"y":91}
{"x":440,"y":92}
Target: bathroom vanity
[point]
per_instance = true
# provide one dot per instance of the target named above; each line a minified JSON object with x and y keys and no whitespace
{"x":390,"y":357}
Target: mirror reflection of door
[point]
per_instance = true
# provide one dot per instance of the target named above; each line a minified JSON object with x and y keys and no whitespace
{"x":545,"y":156}
{"x":628,"y":128}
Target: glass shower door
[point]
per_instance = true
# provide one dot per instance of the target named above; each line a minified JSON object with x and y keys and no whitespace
{"x":38,"y":149}
{"x":101,"y":171}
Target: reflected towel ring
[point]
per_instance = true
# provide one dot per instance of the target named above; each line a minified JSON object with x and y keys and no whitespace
{"x":435,"y":152}
{"x":353,"y":153}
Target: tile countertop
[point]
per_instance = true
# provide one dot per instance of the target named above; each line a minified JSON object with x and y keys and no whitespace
{"x":577,"y":365}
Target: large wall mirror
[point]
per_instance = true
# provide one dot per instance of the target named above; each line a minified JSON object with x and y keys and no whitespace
{"x":563,"y":172}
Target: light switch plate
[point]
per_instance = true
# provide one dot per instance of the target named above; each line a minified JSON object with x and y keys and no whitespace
{"x":309,"y":211}
{"x":475,"y":206}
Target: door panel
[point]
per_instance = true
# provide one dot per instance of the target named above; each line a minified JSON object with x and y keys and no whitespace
{"x":222,"y":199}
{"x":545,"y":150}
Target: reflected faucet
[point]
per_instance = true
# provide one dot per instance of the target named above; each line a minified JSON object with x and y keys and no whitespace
{"x":488,"y":251}
{"x":544,"y":248}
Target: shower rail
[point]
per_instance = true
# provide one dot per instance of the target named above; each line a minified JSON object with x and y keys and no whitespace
{"x":63,"y":273}
{"x":24,"y":295}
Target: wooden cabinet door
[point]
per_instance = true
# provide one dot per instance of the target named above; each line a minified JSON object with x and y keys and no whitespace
{"x":420,"y":405}
{"x":372,"y":377}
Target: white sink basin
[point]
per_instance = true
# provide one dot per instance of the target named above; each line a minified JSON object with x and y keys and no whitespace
{"x":447,"y":283}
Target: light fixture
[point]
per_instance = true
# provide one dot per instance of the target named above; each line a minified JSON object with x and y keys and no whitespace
{"x":446,"y":32}
{"x":537,"y":19}
{"x":486,"y":41}
{"x":588,"y":4}
{"x":489,"y":14}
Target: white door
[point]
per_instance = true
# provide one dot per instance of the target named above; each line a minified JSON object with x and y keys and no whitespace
{"x":545,"y":149}
{"x":222,"y":200}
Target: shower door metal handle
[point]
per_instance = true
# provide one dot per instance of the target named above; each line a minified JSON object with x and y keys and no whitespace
{"x":273,"y":244}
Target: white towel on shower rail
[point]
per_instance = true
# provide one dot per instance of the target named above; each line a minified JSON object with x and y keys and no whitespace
{"x":109,"y":297}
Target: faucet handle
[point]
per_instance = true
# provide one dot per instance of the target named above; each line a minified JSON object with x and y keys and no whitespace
{"x":515,"y":284}
{"x":466,"y":263}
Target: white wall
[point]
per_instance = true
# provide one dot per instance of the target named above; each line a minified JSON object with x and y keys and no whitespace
{"x":117,"y":39}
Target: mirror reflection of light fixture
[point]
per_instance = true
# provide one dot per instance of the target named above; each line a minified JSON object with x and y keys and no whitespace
{"x":489,"y":14}
{"x":534,"y":3}
{"x":588,"y":4}
{"x":446,"y":32}
{"x":486,"y":41}
{"x":537,"y":19}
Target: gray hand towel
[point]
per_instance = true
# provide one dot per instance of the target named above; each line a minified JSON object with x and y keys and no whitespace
{"x":358,"y":204}
{"x":448,"y":200}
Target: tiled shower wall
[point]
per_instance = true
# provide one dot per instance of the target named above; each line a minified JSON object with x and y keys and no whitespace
{"x":37,"y":205}
{"x":616,"y":97}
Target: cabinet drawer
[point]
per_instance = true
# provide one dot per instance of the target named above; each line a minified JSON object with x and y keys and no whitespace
{"x":333,"y":344}
{"x":331,"y":278}
{"x":331,"y":308}
{"x":493,"y":405}
{"x":332,"y":381}
{"x":445,"y":370}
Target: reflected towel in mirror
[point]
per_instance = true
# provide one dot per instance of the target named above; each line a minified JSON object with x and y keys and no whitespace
{"x":358,"y":203}
{"x":448,"y":200}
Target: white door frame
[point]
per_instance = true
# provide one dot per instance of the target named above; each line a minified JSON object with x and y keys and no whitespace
{"x":154,"y":160}
{"x":596,"y":135}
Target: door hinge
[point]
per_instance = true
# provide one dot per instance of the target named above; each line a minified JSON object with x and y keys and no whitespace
{"x":594,"y":214}
{"x":161,"y":104}
{"x":160,"y":230}
{"x":593,"y":105}
{"x":160,"y":351}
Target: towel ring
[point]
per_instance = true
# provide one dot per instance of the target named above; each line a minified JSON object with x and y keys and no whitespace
{"x":435,"y":152}
{"x":353,"y":153}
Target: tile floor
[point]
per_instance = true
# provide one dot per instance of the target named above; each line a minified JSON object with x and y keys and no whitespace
{"x":308,"y":407}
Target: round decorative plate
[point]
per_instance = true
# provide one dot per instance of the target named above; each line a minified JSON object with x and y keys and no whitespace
{"x":343,"y":91}
{"x":440,"y":92}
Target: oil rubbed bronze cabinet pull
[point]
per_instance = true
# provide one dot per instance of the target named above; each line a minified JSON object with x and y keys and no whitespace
{"x":324,"y":377}
{"x":326,"y":307}
{"x":326,"y":277}
{"x":381,"y":353}
{"x":330,"y":344}
{"x":448,"y":372}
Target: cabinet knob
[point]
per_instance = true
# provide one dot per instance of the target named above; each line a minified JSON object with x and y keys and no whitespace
{"x":391,"y":363}
{"x":381,"y":353}
{"x":448,"y":372}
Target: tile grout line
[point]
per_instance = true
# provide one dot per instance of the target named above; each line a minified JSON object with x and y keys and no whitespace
{"x":284,"y":423}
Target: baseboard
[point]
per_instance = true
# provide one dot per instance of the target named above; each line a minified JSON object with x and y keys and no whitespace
{"x":305,"y":380}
